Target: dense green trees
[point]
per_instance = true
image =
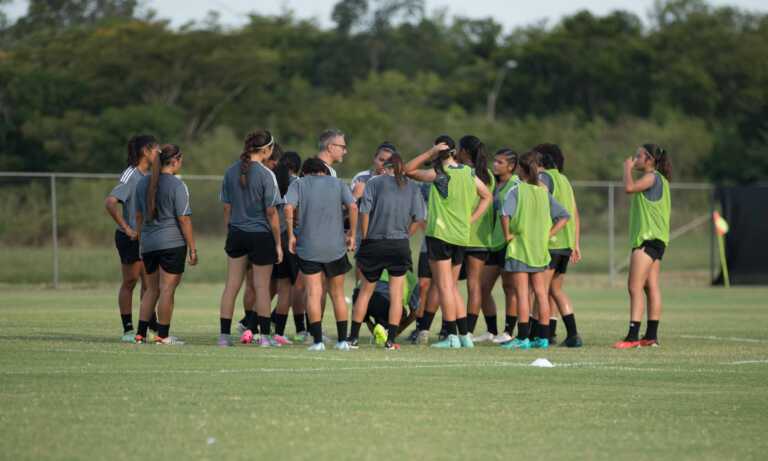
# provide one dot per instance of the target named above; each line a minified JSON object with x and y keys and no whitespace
{"x":78,"y":77}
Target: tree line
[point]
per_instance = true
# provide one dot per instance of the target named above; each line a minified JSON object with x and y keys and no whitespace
{"x":78,"y":77}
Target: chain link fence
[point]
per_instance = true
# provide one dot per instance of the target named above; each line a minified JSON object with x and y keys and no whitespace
{"x":54,"y":230}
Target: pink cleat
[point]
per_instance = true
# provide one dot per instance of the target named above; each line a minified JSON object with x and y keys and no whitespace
{"x":281,"y":340}
{"x":247,"y":337}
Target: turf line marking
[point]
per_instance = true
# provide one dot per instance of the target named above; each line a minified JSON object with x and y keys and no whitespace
{"x":727,"y":338}
{"x":745,"y":362}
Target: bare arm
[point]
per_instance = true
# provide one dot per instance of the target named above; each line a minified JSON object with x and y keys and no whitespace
{"x":358,"y":190}
{"x":274,"y":223}
{"x":632,"y":186}
{"x":352,"y":207}
{"x":576,"y":255}
{"x":365,"y":219}
{"x":412,"y":167}
{"x":415,"y":226}
{"x":185,"y":223}
{"x":505,"y":227}
{"x":558,"y":226}
{"x":111,"y":205}
{"x":139,"y":223}
{"x":227,"y":215}
{"x":485,"y":200}
{"x":289,"y":221}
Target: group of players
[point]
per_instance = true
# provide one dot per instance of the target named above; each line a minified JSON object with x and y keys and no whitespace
{"x":290,"y":225}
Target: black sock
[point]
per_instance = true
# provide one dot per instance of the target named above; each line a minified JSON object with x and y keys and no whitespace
{"x":570,"y":325}
{"x":225,"y":326}
{"x":143,"y":326}
{"x":534,"y":330}
{"x":162,"y":330}
{"x":153,"y":322}
{"x":391,"y":332}
{"x":523,"y":330}
{"x":273,"y":316}
{"x":355,"y":331}
{"x":490,"y":323}
{"x":306,"y":318}
{"x":265,"y":324}
{"x":426,"y":322}
{"x":463,"y":326}
{"x":634,"y":331}
{"x":298,"y":320}
{"x":552,"y":328}
{"x":544,"y":331}
{"x":280,"y":321}
{"x":244,"y":321}
{"x":509,"y":324}
{"x":471,"y":322}
{"x":450,"y":328}
{"x":341,"y":330}
{"x":251,"y":322}
{"x":127,"y":322}
{"x":316,"y":330}
{"x":651,"y":330}
{"x":444,"y":329}
{"x":419,"y":322}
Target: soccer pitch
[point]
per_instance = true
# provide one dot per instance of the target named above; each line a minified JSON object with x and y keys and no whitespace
{"x":70,"y":390}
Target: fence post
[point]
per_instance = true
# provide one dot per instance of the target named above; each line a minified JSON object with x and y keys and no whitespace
{"x":54,"y":232}
{"x":611,"y":236}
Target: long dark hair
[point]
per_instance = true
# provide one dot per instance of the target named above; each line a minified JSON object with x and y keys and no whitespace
{"x":167,"y":153}
{"x":529,"y":166}
{"x":253,"y":143}
{"x":552,"y":156}
{"x":661,"y":159}
{"x":289,"y":162}
{"x":396,"y":163}
{"x":437,"y":163}
{"x":136,"y":146}
{"x":313,"y":165}
{"x":476,"y":150}
{"x":511,"y":157}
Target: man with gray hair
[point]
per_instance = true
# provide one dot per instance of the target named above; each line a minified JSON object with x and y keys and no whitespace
{"x":333,"y":148}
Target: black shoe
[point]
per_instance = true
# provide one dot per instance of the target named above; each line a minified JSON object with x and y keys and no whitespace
{"x":354,"y":343}
{"x":572,"y":341}
{"x":412,"y":337}
{"x":442,"y":335}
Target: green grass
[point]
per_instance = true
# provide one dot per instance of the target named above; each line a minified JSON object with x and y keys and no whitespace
{"x":68,"y":390}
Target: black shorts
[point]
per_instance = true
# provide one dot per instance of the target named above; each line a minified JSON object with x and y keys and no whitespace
{"x":439,"y":250}
{"x":654,"y":248}
{"x":289,"y":268}
{"x":127,"y":249}
{"x":559,"y":262}
{"x":424,"y":271}
{"x":376,"y":255}
{"x":172,"y":260}
{"x":479,"y":253}
{"x":332,"y":269}
{"x":497,"y":258}
{"x":259,"y":246}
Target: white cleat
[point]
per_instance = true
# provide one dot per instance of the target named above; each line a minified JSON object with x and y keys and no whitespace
{"x":502,"y":338}
{"x":485,"y":337}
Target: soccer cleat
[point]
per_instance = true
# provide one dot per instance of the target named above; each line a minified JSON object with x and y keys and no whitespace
{"x":649,"y":342}
{"x":379,"y":334}
{"x":300,"y":337}
{"x":240,"y":327}
{"x":265,"y":341}
{"x":466,"y":341}
{"x":413,"y":337}
{"x":423,"y":337}
{"x":625,"y":344}
{"x":487,"y":336}
{"x":442,"y":335}
{"x":281,"y":340}
{"x":503,"y":338}
{"x":138,"y":339}
{"x":246,"y":337}
{"x":572,"y":341}
{"x":517,"y":344}
{"x":354,"y":343}
{"x":342,"y":346}
{"x":390,"y":346}
{"x":316,"y":347}
{"x":224,"y":340}
{"x":169,"y":341}
{"x":128,"y":337}
{"x":451,"y":342}
{"x":540,"y":343}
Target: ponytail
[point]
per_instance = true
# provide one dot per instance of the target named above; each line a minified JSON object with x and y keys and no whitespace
{"x":529,"y":167}
{"x":661,"y":159}
{"x":476,"y":150}
{"x":254,"y":142}
{"x":136,"y":146}
{"x":437,"y":164}
{"x":289,"y":162}
{"x":167,"y":153}
{"x":396,"y":163}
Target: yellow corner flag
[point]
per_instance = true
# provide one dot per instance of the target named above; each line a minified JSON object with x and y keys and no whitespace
{"x":721,"y":227}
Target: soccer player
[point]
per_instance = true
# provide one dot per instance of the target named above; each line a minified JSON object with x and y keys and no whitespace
{"x":378,"y":310}
{"x":142,"y":151}
{"x":649,"y":215}
{"x":165,"y":233}
{"x":528,"y":214}
{"x":316,"y":200}
{"x":391,"y":210}
{"x":250,"y":195}
{"x":451,"y":212}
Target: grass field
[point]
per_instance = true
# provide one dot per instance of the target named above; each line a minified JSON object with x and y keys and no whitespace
{"x":68,"y":390}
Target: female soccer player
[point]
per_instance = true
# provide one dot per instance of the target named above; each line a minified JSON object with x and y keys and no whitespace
{"x":564,"y":246}
{"x":451,"y":212}
{"x":142,"y":151}
{"x":165,"y":233}
{"x":528,"y":214}
{"x":391,"y":210}
{"x":250,"y":196}
{"x":649,"y":215}
{"x":472,"y":153}
{"x":316,"y":200}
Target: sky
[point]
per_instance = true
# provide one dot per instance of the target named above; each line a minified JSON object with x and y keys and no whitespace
{"x":511,"y":13}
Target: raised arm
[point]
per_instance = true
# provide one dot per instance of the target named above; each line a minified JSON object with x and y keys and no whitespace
{"x":632,"y":186}
{"x":412,"y":167}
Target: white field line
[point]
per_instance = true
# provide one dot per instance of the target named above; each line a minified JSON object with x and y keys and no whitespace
{"x":746,"y":362}
{"x":726,"y":338}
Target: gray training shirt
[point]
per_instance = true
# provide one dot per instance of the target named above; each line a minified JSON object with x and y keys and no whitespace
{"x":654,"y":192}
{"x":249,"y":204}
{"x":320,"y":235}
{"x":556,"y":211}
{"x":125,"y":193}
{"x":392,"y":208}
{"x":281,"y":207}
{"x":172,"y":201}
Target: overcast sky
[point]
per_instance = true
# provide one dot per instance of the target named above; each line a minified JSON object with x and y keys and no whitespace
{"x":510,"y":13}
